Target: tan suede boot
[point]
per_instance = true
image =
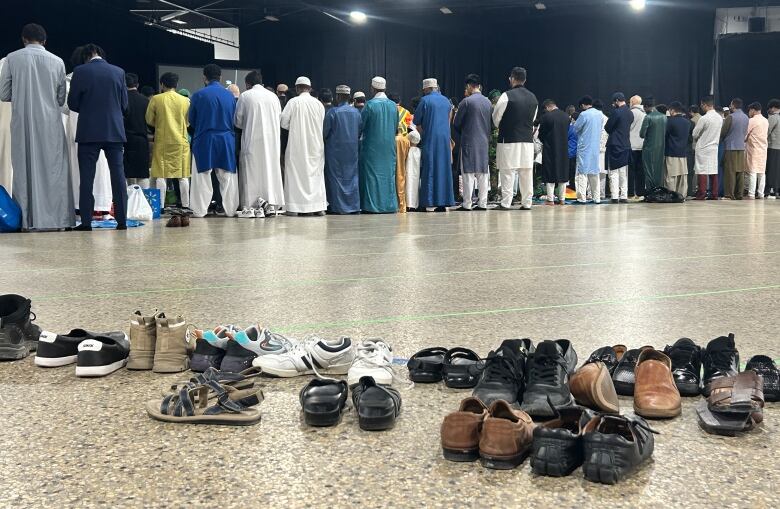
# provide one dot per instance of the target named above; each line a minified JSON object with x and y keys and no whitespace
{"x":172,"y":350}
{"x":142,"y":341}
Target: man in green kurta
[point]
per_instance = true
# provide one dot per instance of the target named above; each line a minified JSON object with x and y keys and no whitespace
{"x":377,"y":152}
{"x":653,"y":152}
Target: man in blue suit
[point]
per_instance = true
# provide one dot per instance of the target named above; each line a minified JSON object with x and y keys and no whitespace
{"x":98,"y":94}
{"x":212,"y":109}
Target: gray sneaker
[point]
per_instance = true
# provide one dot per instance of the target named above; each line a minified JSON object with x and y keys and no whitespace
{"x":249,"y":344}
{"x":18,"y":335}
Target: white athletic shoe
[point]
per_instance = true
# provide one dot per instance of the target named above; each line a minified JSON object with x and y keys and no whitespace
{"x":375,"y":359}
{"x":246,"y":213}
{"x":312,"y":356}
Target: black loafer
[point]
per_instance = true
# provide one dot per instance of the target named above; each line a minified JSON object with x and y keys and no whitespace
{"x":462,"y":368}
{"x":426,"y":365}
{"x":558,"y":446}
{"x":614,"y":446}
{"x":766,"y":368}
{"x":377,"y":406}
{"x":609,"y":355}
{"x":323,"y":401}
{"x":720,"y":359}
{"x":623,"y":376}
{"x":686,"y":366}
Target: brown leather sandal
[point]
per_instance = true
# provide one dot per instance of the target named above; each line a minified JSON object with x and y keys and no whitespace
{"x":735,"y":404}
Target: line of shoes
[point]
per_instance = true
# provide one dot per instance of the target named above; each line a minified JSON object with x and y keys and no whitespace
{"x":260,"y":210}
{"x":228,"y":354}
{"x":157,"y":342}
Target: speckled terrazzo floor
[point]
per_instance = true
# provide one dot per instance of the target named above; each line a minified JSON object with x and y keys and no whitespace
{"x":633,"y":274}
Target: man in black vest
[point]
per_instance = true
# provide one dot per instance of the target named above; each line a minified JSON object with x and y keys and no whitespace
{"x":514,"y":116}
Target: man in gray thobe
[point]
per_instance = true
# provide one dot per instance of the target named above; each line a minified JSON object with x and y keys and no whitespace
{"x":33,"y":81}
{"x":473,"y":128}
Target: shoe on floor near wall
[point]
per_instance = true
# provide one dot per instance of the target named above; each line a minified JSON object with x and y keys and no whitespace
{"x":171,"y":348}
{"x":18,"y":335}
{"x":143,"y":338}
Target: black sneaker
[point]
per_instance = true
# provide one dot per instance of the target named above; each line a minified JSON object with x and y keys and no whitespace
{"x":210,"y":348}
{"x":101,"y":356}
{"x":720,"y":359}
{"x":614,"y":446}
{"x":686,"y":366}
{"x":548,"y":380}
{"x":558,"y":447}
{"x":624,"y":377}
{"x":766,"y":368}
{"x":55,"y":350}
{"x":18,"y":335}
{"x":504,"y":373}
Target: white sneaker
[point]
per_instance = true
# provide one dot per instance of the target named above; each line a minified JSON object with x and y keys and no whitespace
{"x":246,"y":213}
{"x":375,"y":359}
{"x":309,"y":357}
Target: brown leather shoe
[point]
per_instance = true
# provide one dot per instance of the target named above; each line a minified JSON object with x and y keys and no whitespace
{"x":460,"y":431}
{"x":185,"y":221}
{"x":592,"y":386}
{"x":507,"y":436}
{"x":174,"y":222}
{"x":655,"y":394}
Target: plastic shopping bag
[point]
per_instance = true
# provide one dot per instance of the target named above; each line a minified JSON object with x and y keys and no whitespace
{"x":137,"y":206}
{"x":10,"y":213}
{"x":153,"y":197}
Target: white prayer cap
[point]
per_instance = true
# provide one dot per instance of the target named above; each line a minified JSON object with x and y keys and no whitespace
{"x":303,"y":80}
{"x":343,"y":89}
{"x":379,"y":83}
{"x":414,"y":137}
{"x":358,"y":95}
{"x":430,"y":83}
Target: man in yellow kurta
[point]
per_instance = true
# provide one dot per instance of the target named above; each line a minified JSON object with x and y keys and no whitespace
{"x":167,"y":115}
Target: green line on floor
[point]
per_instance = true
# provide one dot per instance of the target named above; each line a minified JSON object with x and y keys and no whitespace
{"x":460,"y":314}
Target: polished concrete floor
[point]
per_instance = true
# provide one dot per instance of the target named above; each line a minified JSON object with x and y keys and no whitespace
{"x":598,"y":275}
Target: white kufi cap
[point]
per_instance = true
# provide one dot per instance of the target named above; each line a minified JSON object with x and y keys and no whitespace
{"x":379,"y":83}
{"x":430,"y":83}
{"x":303,"y":80}
{"x":343,"y":89}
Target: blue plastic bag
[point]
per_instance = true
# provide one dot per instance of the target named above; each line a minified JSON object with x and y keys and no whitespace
{"x":10,"y":213}
{"x":153,"y":197}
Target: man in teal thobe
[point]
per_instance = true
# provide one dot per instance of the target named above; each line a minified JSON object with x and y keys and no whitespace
{"x":653,"y":152}
{"x":377,"y":152}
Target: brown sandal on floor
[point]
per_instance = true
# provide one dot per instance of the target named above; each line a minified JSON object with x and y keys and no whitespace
{"x":735,"y":404}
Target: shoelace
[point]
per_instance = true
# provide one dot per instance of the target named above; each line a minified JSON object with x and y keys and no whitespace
{"x":720,"y":360}
{"x":544,"y":369}
{"x":499,"y":369}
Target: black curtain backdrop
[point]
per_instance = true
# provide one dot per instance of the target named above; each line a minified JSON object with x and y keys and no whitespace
{"x":127,"y":42}
{"x":664,"y":52}
{"x":747,"y":67}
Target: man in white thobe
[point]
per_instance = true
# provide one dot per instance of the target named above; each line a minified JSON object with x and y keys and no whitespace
{"x":258,"y":115}
{"x":33,"y":81}
{"x":304,"y":161}
{"x":6,"y":170}
{"x":514,"y":116}
{"x":706,"y":137}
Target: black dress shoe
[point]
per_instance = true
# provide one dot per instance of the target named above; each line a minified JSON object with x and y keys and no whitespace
{"x":623,"y":376}
{"x":463,"y":209}
{"x":720,"y":359}
{"x":766,"y":368}
{"x":605,"y":354}
{"x":686,"y":366}
{"x":614,"y":446}
{"x":548,"y":381}
{"x":121,"y":227}
{"x":83,"y":227}
{"x":557,"y":446}
{"x":440,"y":209}
{"x":504,"y":373}
{"x":481,"y":209}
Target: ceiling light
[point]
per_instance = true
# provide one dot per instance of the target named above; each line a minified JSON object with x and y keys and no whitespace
{"x":539,"y":6}
{"x":637,"y":5}
{"x":358,"y":16}
{"x":179,"y":21}
{"x":446,"y":10}
{"x":271,"y":18}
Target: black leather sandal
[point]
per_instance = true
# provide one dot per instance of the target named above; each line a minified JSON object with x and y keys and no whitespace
{"x":426,"y":365}
{"x":462,"y":368}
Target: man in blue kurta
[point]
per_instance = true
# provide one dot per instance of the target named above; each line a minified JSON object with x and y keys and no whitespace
{"x":212,"y":109}
{"x":342,"y":139}
{"x":432,"y":118}
{"x":588,"y":127}
{"x":377,"y":152}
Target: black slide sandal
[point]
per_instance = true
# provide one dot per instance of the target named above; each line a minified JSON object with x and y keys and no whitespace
{"x":377,"y":406}
{"x":462,"y":368}
{"x":323,"y":401}
{"x":426,"y":365}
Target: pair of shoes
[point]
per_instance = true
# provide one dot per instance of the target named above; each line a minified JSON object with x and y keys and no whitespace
{"x":159,"y":343}
{"x":18,"y":335}
{"x":250,"y":213}
{"x":94,"y":353}
{"x":462,"y":209}
{"x":480,"y":209}
{"x":501,"y":207}
{"x":460,"y":368}
{"x":209,"y":403}
{"x":323,"y":402}
{"x":623,"y":201}
{"x":231,"y":349}
{"x":500,"y":436}
{"x":519,"y":373}
{"x":178,"y":221}
{"x":655,"y":393}
{"x":735,"y":404}
{"x":83,"y":227}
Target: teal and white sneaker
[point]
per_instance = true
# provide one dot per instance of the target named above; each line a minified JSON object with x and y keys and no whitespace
{"x":255,"y":341}
{"x":210,"y":347}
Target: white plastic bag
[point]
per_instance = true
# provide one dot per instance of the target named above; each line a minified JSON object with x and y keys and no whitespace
{"x":138,"y":208}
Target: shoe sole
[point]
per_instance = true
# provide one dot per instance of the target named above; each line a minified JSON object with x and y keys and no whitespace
{"x":656,"y":413}
{"x":55,"y":362}
{"x":601,"y":394}
{"x":383,"y":423}
{"x":14,"y":353}
{"x":502,"y":462}
{"x":95,"y":371}
{"x":460,"y":455}
{"x":323,"y":419}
